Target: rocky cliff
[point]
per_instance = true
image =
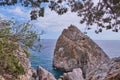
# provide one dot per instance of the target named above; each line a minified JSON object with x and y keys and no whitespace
{"x":15,"y":64}
{"x":18,"y":68}
{"x":30,"y":73}
{"x":76,"y":50}
{"x":107,"y":71}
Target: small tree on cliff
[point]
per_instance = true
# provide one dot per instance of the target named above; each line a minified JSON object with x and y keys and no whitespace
{"x":104,"y":13}
{"x":22,"y":33}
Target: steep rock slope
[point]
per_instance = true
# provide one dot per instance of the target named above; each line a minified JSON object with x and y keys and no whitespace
{"x":76,"y":50}
{"x":107,"y":71}
{"x":14,"y":63}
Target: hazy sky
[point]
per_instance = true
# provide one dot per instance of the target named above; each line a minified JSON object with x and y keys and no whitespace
{"x":54,"y":24}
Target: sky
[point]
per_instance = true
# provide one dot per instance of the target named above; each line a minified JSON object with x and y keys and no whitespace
{"x":53,"y":24}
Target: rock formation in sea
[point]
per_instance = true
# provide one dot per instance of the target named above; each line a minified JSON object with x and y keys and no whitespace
{"x":76,"y":74}
{"x":44,"y":74}
{"x":76,"y":50}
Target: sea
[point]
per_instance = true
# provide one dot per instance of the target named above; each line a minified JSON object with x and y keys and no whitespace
{"x":45,"y":57}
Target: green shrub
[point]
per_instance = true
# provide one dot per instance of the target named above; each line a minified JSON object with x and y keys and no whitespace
{"x":27,"y":52}
{"x":11,"y":37}
{"x":8,"y":62}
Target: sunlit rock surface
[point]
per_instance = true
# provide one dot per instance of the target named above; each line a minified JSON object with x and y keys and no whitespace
{"x":76,"y":50}
{"x":107,"y":71}
{"x":76,"y":74}
{"x":44,"y":74}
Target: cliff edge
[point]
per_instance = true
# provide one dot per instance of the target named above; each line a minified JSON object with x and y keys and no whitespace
{"x":14,"y":62}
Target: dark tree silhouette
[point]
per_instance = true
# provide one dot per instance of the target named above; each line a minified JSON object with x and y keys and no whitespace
{"x":105,"y":13}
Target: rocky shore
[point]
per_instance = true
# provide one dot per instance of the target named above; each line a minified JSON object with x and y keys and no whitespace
{"x":75,"y":53}
{"x":76,"y":50}
{"x":107,"y":71}
{"x":76,"y":74}
{"x":29,"y":72}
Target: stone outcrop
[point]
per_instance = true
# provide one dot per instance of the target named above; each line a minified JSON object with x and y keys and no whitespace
{"x":44,"y":74}
{"x":29,"y":73}
{"x":107,"y":71}
{"x":24,"y":60}
{"x":76,"y":74}
{"x":76,"y":50}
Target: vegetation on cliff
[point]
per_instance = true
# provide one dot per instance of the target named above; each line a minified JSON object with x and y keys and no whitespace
{"x":8,"y":62}
{"x":13,"y":36}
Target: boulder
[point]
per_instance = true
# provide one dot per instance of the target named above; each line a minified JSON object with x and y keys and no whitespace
{"x":76,"y":74}
{"x":74,"y":49}
{"x":44,"y":74}
{"x":107,"y":71}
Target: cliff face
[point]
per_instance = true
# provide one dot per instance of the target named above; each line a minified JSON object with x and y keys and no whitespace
{"x":76,"y":50}
{"x":17,"y":66}
{"x":30,"y":74}
{"x":107,"y":71}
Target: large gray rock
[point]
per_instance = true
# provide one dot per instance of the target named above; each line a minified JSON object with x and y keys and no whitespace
{"x":76,"y":74}
{"x":107,"y":71}
{"x":76,"y":50}
{"x":44,"y":74}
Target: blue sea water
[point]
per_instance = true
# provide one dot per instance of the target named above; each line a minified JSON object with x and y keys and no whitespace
{"x":44,"y":59}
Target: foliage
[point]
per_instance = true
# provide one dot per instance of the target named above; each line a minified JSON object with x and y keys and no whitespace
{"x":12,"y":36}
{"x":8,"y":62}
{"x":27,"y":53}
{"x":22,"y":33}
{"x":106,"y":13}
